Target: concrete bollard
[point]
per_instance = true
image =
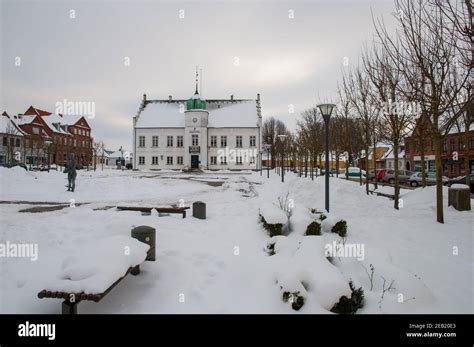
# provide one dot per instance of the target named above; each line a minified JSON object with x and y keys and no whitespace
{"x":146,"y":234}
{"x":199,"y":210}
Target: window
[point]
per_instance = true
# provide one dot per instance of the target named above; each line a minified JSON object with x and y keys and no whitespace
{"x":36,"y":130}
{"x":141,"y":141}
{"x":461,"y":144}
{"x":253,"y":141}
{"x":252,"y":160}
{"x":471,"y":142}
{"x":223,"y":141}
{"x":169,"y":141}
{"x":154,"y":141}
{"x":213,"y":160}
{"x":213,"y":141}
{"x":154,"y":160}
{"x":169,"y":160}
{"x":74,"y":142}
{"x":179,"y":141}
{"x":239,"y":161}
{"x":223,"y":160}
{"x":5,"y":141}
{"x":195,"y":140}
{"x":141,"y":160}
{"x":238,"y":141}
{"x":453,"y":145}
{"x":179,"y":160}
{"x":444,"y":147}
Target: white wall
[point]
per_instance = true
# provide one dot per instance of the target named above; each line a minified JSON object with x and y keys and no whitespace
{"x":162,"y":151}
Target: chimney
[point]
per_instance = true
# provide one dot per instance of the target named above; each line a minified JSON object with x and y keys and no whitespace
{"x":258,"y":96}
{"x":170,"y":97}
{"x":232,"y":97}
{"x":144,"y":97}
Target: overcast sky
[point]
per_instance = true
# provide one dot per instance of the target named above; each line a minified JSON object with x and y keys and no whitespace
{"x":243,"y":47}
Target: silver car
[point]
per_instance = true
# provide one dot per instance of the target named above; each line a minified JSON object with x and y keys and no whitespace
{"x":415,"y":179}
{"x":403,"y":176}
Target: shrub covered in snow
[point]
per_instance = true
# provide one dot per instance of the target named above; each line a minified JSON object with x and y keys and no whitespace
{"x":340,"y":228}
{"x":273,"y":219}
{"x":314,"y":228}
{"x":350,"y":305}
{"x":320,"y":215}
{"x":270,"y":248}
{"x":273,"y":229}
{"x":296,"y":299}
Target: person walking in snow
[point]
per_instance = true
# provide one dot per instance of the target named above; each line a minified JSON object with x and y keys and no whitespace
{"x":71,"y":172}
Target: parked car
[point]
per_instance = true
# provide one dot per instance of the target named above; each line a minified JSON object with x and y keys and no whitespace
{"x":415,"y":179}
{"x":355,"y":172}
{"x":403,"y":176}
{"x":462,"y":180}
{"x":380,"y":174}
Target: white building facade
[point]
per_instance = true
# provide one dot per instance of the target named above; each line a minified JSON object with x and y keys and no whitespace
{"x":198,"y":134}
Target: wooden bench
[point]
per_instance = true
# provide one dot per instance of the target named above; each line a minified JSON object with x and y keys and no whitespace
{"x":390,"y":196}
{"x":181,"y":210}
{"x":71,"y":300}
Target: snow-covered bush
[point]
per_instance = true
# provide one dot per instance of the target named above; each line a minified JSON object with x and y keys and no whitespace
{"x":314,"y":228}
{"x":319,"y":215}
{"x":270,"y":248}
{"x":350,"y":305}
{"x":340,"y":228}
{"x":334,"y":224}
{"x":273,"y":219}
{"x":292,"y":291}
{"x":273,"y":229}
{"x":286,"y":205}
{"x":296,"y":299}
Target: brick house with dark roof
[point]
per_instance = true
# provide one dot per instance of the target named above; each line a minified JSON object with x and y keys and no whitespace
{"x":452,"y":143}
{"x":55,"y":136}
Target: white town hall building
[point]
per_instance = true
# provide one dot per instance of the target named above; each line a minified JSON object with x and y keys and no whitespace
{"x":210,"y":134}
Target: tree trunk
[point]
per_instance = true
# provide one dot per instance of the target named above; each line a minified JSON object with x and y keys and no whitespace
{"x":337,"y":164}
{"x":467,"y":167}
{"x":396,"y":195}
{"x":374,"y":158}
{"x":439,"y":173}
{"x":423,"y":164}
{"x":366,"y":149}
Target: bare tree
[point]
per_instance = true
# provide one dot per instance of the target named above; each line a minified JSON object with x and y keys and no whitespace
{"x":357,"y":86}
{"x":425,"y":48}
{"x":394,"y":111}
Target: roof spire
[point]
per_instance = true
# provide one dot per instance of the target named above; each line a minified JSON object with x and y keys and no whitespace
{"x":197,"y":74}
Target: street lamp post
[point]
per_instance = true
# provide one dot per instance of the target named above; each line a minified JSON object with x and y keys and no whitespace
{"x":326,"y":110}
{"x":282,"y":138}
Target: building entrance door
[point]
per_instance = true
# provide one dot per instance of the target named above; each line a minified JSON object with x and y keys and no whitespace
{"x":194,"y":162}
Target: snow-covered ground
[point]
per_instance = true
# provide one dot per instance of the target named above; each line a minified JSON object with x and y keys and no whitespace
{"x":220,"y":265}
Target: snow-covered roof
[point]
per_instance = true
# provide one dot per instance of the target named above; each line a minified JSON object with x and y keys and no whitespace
{"x":8,"y":127}
{"x":222,"y":114}
{"x":119,"y":154}
{"x":56,"y":122}
{"x":390,"y":154}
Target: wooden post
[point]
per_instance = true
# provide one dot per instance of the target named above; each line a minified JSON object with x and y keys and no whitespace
{"x":459,"y":197}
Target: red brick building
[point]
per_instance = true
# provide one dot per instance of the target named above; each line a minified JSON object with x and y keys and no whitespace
{"x":451,"y":144}
{"x":54,"y":136}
